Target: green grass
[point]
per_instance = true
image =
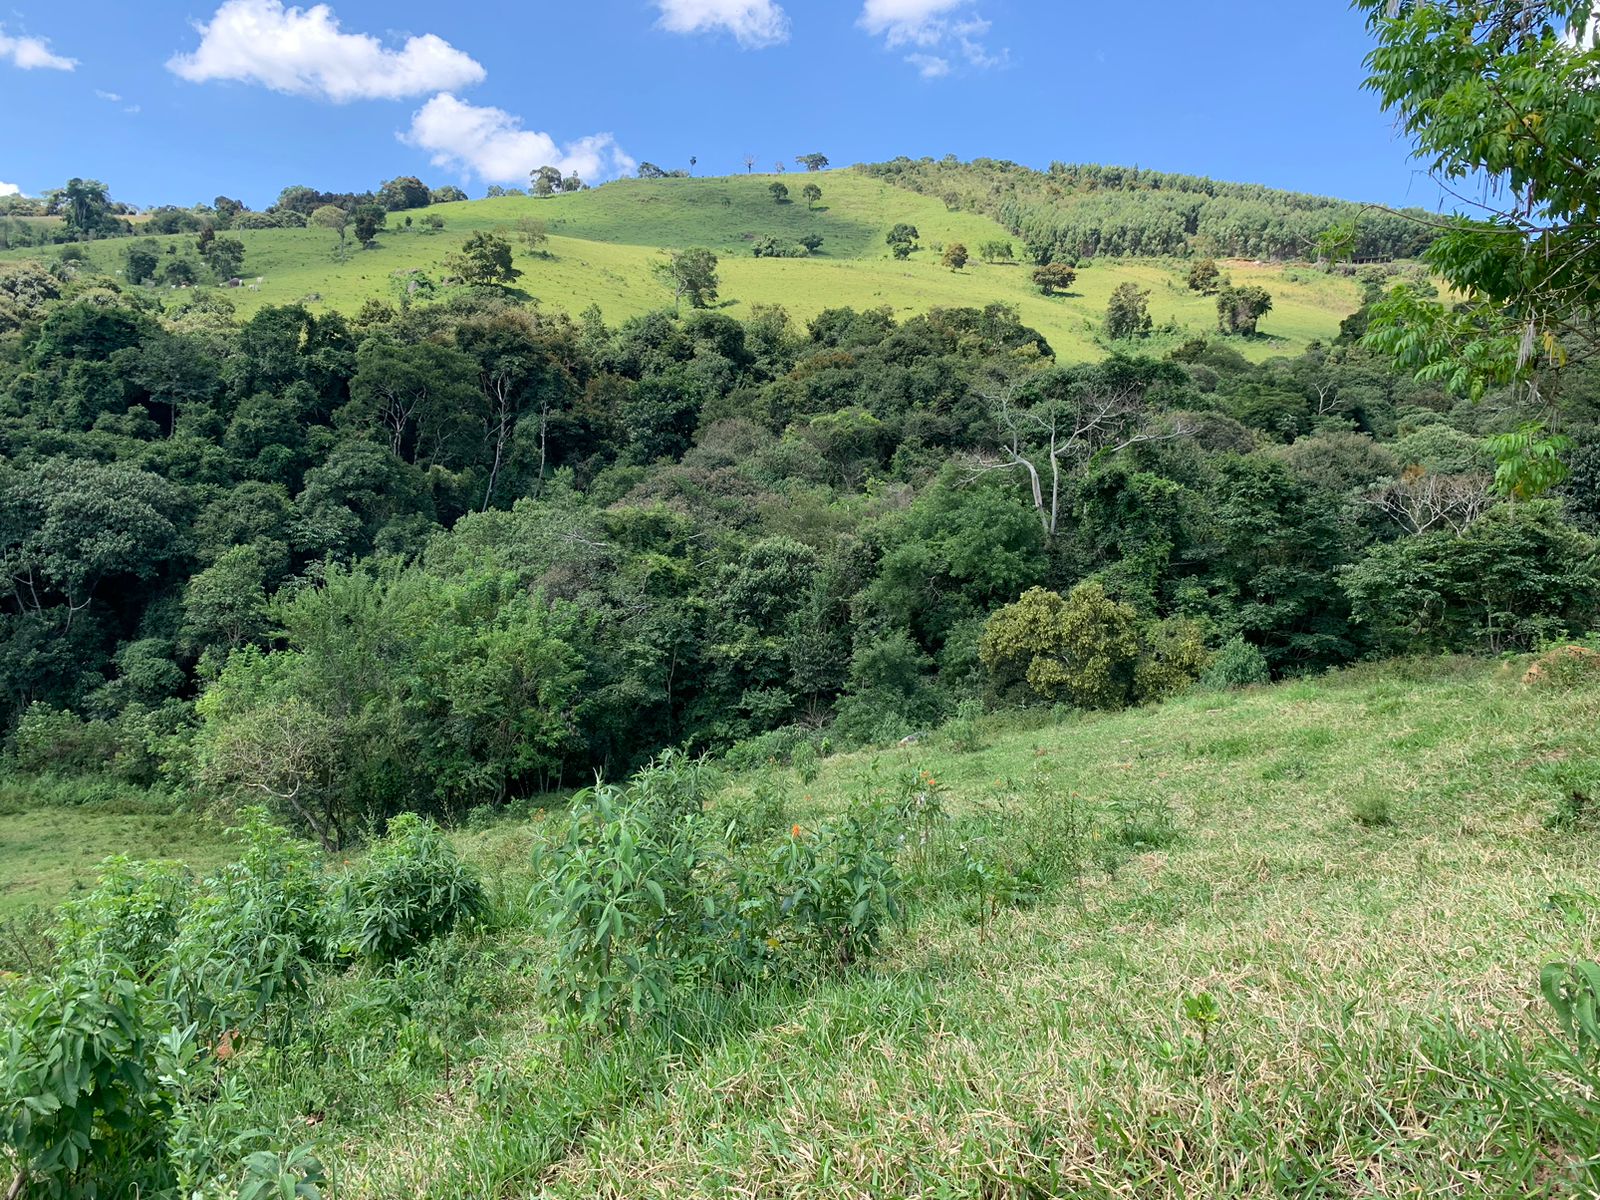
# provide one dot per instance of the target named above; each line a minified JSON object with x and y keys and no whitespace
{"x":1373,"y":986}
{"x":1234,"y":986}
{"x":603,"y":242}
{"x":47,"y":854}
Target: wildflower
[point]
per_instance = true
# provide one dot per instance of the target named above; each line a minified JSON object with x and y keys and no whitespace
{"x":795,"y":832}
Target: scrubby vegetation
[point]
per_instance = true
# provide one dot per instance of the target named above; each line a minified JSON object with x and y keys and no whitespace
{"x":687,"y":983}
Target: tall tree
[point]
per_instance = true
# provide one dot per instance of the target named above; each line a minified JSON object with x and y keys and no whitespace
{"x":1128,"y":312}
{"x":1506,"y":92}
{"x":690,"y":273}
{"x":546,"y":181}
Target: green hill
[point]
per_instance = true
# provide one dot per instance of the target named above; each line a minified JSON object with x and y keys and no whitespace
{"x":603,"y":242}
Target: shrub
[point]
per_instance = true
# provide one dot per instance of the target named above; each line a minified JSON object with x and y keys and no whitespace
{"x":1082,"y":650}
{"x":1175,"y":657}
{"x":626,"y":907}
{"x":83,"y":1098}
{"x":1237,"y":665}
{"x":132,"y":915}
{"x":411,"y":888}
{"x":807,"y":762}
{"x":754,"y":818}
{"x":248,"y":941}
{"x":962,"y":734}
{"x":53,"y":740}
{"x":839,"y":887}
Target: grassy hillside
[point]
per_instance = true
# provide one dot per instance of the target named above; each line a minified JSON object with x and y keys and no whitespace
{"x":1293,"y":951}
{"x":604,"y":240}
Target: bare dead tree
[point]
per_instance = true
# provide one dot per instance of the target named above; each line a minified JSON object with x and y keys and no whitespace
{"x":1052,"y":439}
{"x":1422,"y":502}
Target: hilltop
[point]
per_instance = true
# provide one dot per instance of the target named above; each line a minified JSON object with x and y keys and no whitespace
{"x":604,"y":240}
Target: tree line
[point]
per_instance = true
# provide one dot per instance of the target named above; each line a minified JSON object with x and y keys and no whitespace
{"x":1075,"y":212}
{"x":439,"y":557}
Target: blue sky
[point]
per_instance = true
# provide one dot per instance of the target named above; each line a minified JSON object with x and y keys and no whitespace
{"x":175,"y":101}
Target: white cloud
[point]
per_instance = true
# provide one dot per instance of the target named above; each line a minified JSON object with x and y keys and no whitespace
{"x":917,"y":22}
{"x":30,"y":53}
{"x":305,"y":53}
{"x":939,"y":29}
{"x":755,"y":23}
{"x":492,"y":144}
{"x":109,"y":97}
{"x":10,"y":189}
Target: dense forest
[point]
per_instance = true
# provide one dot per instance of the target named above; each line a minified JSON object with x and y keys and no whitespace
{"x":434,"y":558}
{"x":1074,"y":212}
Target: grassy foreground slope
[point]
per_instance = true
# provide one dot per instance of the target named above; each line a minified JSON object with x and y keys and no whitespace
{"x":1266,"y":997}
{"x":604,"y":241}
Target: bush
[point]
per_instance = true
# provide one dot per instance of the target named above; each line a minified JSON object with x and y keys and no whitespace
{"x":410,"y":889}
{"x":1237,"y":665}
{"x":53,"y":740}
{"x":84,"y":1100}
{"x":838,"y":888}
{"x":131,"y":915}
{"x":1175,"y":657}
{"x":962,"y":734}
{"x":627,"y":908}
{"x":807,"y":762}
{"x":248,"y":941}
{"x":762,"y":814}
{"x":1082,"y":650}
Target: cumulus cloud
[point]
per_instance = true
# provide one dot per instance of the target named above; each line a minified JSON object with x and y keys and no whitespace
{"x":938,"y":29}
{"x":754,"y":23}
{"x":492,"y":144}
{"x":914,"y":22}
{"x":304,"y":52}
{"x":31,"y":53}
{"x":9,"y":189}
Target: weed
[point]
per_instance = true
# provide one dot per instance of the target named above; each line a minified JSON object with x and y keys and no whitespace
{"x":1373,"y":810}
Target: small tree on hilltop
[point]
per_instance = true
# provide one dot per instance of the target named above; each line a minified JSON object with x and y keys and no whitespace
{"x":1054,"y":277}
{"x":813,"y":162}
{"x":485,"y":258}
{"x":689,"y":273}
{"x":546,"y":181}
{"x":749,"y":163}
{"x":1204,"y":277}
{"x":780,"y":193}
{"x":331,"y":216}
{"x":955,"y":256}
{"x":1128,"y":313}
